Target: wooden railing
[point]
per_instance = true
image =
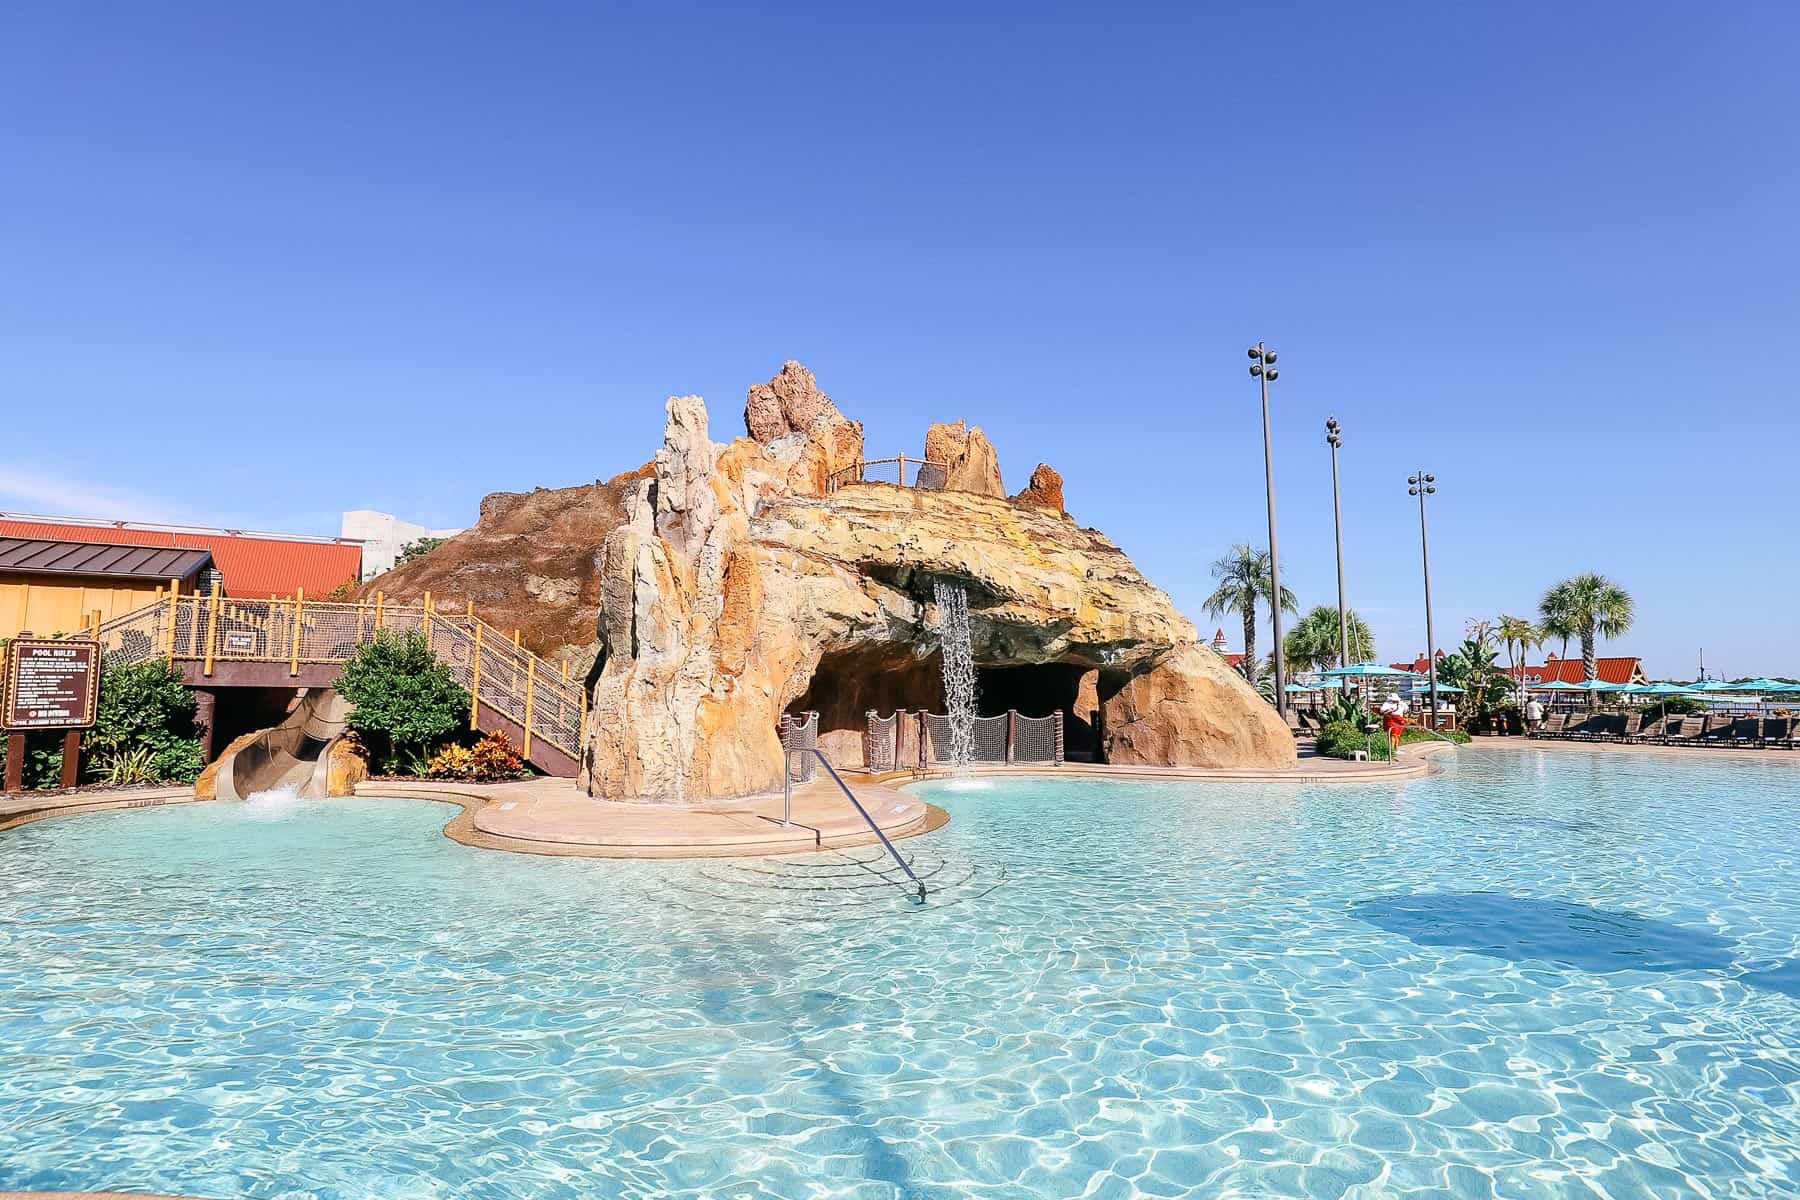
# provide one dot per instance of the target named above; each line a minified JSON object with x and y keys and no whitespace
{"x":926,"y":475}
{"x":296,"y":632}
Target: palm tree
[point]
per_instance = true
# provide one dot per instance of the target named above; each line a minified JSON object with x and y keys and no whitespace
{"x":1556,"y":616}
{"x":1523,"y":633}
{"x":1244,"y":579}
{"x":1313,"y":643}
{"x":1588,"y":607}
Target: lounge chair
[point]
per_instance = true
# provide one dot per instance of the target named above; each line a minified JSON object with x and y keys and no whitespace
{"x":1590,"y":728}
{"x":1678,"y":731}
{"x":1747,"y":733}
{"x":1717,"y":731}
{"x":1647,"y":731}
{"x":1778,"y":733}
{"x":1552,"y":726}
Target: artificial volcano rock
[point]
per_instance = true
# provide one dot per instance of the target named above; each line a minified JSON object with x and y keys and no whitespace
{"x":1045,"y":490}
{"x":970,"y":463}
{"x":529,"y":564}
{"x":729,"y":594}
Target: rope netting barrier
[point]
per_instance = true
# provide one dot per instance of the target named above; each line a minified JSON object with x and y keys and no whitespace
{"x":1035,"y":739}
{"x":800,"y":734}
{"x":881,"y":750}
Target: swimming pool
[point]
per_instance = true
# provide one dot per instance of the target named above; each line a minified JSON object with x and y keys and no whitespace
{"x":1535,"y":975}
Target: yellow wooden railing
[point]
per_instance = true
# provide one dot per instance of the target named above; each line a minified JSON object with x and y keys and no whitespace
{"x":296,"y":632}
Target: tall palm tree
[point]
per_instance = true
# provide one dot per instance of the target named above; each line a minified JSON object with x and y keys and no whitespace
{"x":1313,"y":643}
{"x":1593,"y":607}
{"x":1244,"y":579}
{"x":1556,"y":617}
{"x":1523,"y":633}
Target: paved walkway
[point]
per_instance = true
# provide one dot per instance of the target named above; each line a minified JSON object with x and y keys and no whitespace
{"x":1560,"y":746}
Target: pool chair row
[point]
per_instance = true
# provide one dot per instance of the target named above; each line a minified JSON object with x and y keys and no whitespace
{"x":1713,"y":731}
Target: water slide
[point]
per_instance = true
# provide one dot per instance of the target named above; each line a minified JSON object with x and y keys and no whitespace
{"x":293,"y":754}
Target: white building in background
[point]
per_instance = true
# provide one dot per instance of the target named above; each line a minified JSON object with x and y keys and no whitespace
{"x":383,"y":536}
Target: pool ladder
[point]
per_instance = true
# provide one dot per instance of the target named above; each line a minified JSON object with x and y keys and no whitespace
{"x":787,"y":806}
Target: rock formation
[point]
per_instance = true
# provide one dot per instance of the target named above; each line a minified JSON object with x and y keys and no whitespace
{"x":529,"y":563}
{"x":970,"y":464}
{"x":1045,"y":490}
{"x":734,"y":590}
{"x":718,"y":587}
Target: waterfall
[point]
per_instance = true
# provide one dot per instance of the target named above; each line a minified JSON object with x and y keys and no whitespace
{"x":959,"y":670}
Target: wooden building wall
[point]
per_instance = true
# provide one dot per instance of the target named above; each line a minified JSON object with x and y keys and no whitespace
{"x":48,"y":604}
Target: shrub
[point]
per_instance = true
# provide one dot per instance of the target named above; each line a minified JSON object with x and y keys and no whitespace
{"x":145,"y":704}
{"x":404,"y":700}
{"x":43,"y":760}
{"x":490,"y":759}
{"x":178,"y":762}
{"x":124,"y":768}
{"x":1342,"y":739}
{"x":1415,"y":734}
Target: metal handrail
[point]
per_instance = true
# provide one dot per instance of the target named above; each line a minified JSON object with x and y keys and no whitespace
{"x":788,"y":802}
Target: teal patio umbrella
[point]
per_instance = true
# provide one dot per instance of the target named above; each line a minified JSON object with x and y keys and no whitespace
{"x":1596,"y":685}
{"x":1707,"y":685}
{"x":1764,"y":685}
{"x":1555,"y":686}
{"x":1362,"y":670}
{"x":1664,"y":688}
{"x":1302,"y":687}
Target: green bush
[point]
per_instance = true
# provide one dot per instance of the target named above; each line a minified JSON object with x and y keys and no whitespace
{"x":1413,"y":734}
{"x":1342,"y":739}
{"x":404,"y":701}
{"x":143,"y":727}
{"x":43,"y":760}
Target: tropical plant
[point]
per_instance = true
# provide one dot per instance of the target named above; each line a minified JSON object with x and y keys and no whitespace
{"x":42,"y":767}
{"x":1313,"y":643}
{"x":491,"y":758}
{"x":1523,"y":634}
{"x":1473,"y":669}
{"x":1245,"y":579}
{"x":417,"y":549}
{"x":144,"y":728}
{"x":404,"y":700}
{"x":125,"y":768}
{"x":1347,"y":710}
{"x":1588,"y":607}
{"x":1344,"y":739}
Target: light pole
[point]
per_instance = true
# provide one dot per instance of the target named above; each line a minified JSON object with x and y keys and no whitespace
{"x":1422,"y":485}
{"x":1262,"y":365}
{"x":1337,"y":520}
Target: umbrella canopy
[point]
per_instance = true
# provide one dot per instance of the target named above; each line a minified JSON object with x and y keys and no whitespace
{"x":1557,"y":686}
{"x":1303,"y":687}
{"x":1707,"y":685}
{"x":1765,"y":685}
{"x":1358,"y":670}
{"x":1597,"y":685}
{"x":1664,"y":688}
{"x":1445,"y":687}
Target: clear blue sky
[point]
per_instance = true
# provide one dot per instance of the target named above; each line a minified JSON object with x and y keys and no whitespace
{"x":259,"y":264}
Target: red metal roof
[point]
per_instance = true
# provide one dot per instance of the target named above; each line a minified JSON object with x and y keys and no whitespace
{"x":252,"y":566}
{"x":1418,"y":666}
{"x":1571,"y":670}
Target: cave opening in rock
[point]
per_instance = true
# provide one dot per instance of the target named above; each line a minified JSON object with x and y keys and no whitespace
{"x":848,"y":683}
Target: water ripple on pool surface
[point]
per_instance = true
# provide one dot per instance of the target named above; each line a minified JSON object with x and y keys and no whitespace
{"x":1534,"y":976}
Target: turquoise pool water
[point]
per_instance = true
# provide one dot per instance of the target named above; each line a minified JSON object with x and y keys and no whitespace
{"x":1537,"y":975}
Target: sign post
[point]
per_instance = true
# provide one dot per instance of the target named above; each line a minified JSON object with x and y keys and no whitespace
{"x":48,"y":684}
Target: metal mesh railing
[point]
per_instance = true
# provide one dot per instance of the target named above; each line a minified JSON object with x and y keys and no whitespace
{"x":512,"y":681}
{"x":1005,"y":738}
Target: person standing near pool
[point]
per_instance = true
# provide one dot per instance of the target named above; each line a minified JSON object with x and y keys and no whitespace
{"x":1393,"y":719}
{"x":1534,"y":713}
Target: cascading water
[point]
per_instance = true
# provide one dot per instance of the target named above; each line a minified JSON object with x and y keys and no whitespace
{"x":959,"y":670}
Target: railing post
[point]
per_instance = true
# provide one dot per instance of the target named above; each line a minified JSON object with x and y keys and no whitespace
{"x":174,"y":611}
{"x":381,"y":609}
{"x":475,"y":681}
{"x":923,"y":762}
{"x":212,"y":627}
{"x":425,"y":619}
{"x":1058,"y":728}
{"x":869,"y":741}
{"x":294,"y":648}
{"x":903,"y":470}
{"x":530,"y":697}
{"x":1012,"y":735}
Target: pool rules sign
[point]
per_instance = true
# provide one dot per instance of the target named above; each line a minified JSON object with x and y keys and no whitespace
{"x":49,"y":684}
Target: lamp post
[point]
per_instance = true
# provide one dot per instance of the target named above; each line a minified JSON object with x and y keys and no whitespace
{"x":1337,"y":521}
{"x":1262,"y":366}
{"x":1422,"y":485}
